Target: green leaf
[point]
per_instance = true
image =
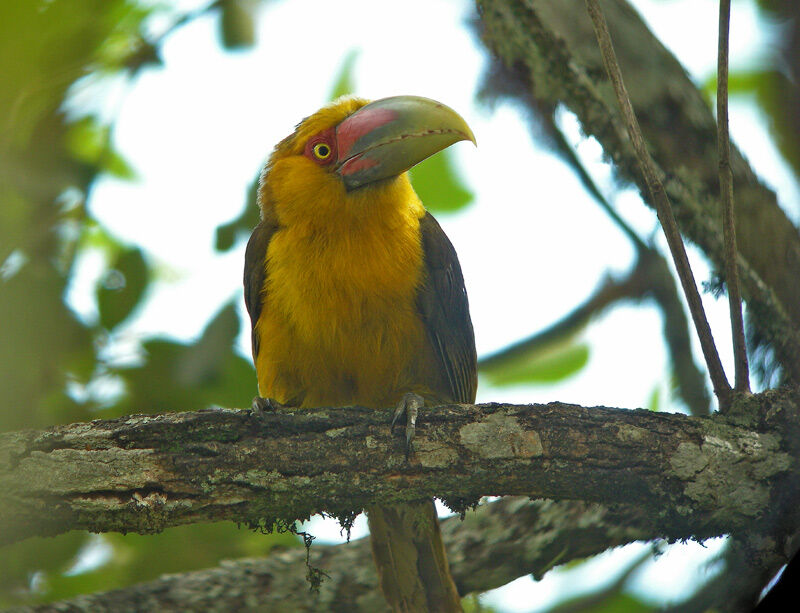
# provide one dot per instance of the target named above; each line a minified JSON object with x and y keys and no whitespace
{"x":472,"y":604}
{"x":619,"y":602}
{"x":96,"y":236}
{"x":122,"y":287}
{"x":344,"y":83}
{"x":206,"y":357}
{"x":90,"y":142}
{"x":43,"y":341}
{"x":739,"y":82}
{"x":136,"y":558}
{"x":439,"y":185}
{"x":654,"y":402}
{"x":187,"y":376}
{"x":549,"y":366}
{"x":228,"y":233}
{"x":20,"y":561}
{"x":773,"y":93}
{"x":116,"y":165}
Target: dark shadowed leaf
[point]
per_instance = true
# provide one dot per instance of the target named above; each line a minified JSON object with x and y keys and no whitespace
{"x":619,"y":602}
{"x":439,"y":185}
{"x":227,"y":234}
{"x":42,"y":343}
{"x":189,"y":376}
{"x":90,"y":142}
{"x":122,"y":287}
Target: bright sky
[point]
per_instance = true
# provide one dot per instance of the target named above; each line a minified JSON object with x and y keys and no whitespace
{"x":533,"y":245}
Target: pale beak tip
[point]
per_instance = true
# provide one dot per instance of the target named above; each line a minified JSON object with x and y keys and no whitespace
{"x":469,"y":135}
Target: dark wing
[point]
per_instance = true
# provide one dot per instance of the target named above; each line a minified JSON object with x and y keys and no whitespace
{"x":255,"y":273}
{"x":442,"y":302}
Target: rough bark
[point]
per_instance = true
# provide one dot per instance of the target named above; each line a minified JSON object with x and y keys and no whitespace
{"x":548,"y":55}
{"x":493,"y":545}
{"x":144,"y":473}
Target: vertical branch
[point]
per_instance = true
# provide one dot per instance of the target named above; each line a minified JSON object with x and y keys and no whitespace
{"x":663,"y":208}
{"x":726,"y":197}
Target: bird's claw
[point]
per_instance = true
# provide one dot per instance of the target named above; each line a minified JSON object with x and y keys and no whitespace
{"x":409,"y":406}
{"x":262,"y":405}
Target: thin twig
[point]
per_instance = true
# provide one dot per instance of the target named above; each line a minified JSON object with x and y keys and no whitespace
{"x":726,"y":196}
{"x":663,"y":208}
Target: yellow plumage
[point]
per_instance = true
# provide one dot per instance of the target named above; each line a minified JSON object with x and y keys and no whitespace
{"x":356,"y":297}
{"x":359,"y":262}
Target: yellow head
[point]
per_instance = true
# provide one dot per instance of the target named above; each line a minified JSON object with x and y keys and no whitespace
{"x":342,"y":159}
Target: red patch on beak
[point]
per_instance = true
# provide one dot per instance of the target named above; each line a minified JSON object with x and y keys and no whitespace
{"x":354,"y":164}
{"x":360,"y":123}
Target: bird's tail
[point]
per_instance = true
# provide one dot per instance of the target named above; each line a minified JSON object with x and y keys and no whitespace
{"x":412,"y":565}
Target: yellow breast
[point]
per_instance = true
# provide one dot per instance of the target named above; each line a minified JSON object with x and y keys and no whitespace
{"x":340,"y":324}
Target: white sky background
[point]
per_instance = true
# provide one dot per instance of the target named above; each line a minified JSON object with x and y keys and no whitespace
{"x":532,"y":246}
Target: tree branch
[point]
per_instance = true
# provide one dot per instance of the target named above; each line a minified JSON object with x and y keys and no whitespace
{"x":532,"y":537}
{"x":659,"y":197}
{"x":650,"y":277}
{"x":550,"y":43}
{"x":742,"y":375}
{"x":503,"y":83}
{"x":145,"y":473}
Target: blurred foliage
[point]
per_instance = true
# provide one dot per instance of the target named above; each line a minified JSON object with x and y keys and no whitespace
{"x":55,"y":366}
{"x":122,"y":287}
{"x":548,"y":361}
{"x":541,"y":365}
{"x":775,"y":83}
{"x":175,"y":376}
{"x":237,"y":23}
{"x":23,"y":565}
{"x":772,"y":90}
{"x":473,"y":604}
{"x":134,"y":558}
{"x":344,"y":82}
{"x":228,"y":234}
{"x":123,"y":559}
{"x":439,"y":185}
{"x":90,"y":142}
{"x":654,"y":401}
{"x":619,"y":602}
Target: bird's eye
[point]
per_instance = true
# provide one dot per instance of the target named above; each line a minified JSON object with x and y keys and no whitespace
{"x":322,"y":151}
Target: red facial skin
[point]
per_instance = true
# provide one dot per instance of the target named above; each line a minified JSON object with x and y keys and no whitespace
{"x":343,"y":137}
{"x":327,"y":137}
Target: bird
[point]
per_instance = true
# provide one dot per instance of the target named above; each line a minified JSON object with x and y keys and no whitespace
{"x":356,"y":298}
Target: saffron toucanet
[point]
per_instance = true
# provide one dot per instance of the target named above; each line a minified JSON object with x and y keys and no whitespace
{"x":356,"y":297}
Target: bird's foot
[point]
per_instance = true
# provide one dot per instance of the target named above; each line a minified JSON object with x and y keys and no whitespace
{"x":261,"y":405}
{"x":409,"y":406}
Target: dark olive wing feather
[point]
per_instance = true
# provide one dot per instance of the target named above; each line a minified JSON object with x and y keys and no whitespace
{"x":255,"y":274}
{"x":442,"y":303}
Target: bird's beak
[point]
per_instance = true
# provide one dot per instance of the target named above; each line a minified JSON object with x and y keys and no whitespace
{"x":389,"y":136}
